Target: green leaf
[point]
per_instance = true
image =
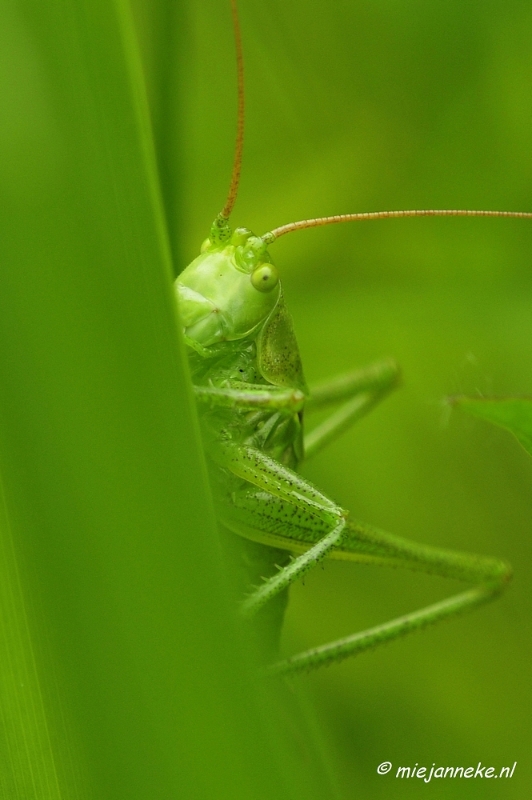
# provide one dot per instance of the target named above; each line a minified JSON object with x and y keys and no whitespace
{"x":512,"y":413}
{"x":123,"y":674}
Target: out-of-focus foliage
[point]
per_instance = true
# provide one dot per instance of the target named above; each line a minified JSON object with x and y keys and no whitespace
{"x":358,"y":106}
{"x":352,"y":106}
{"x":122,"y":671}
{"x":512,"y":413}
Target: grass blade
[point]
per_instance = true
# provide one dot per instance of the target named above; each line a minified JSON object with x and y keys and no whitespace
{"x":127,"y":674}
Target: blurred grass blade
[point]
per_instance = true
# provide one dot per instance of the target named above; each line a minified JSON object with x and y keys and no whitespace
{"x":512,"y":413}
{"x":167,"y":53}
{"x":27,"y":767}
{"x":123,"y":668}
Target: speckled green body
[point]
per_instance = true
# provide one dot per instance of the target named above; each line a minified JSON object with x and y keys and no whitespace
{"x":249,"y":384}
{"x":254,"y":347}
{"x":252,"y":561}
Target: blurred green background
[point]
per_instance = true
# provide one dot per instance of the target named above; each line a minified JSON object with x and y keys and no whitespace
{"x":352,"y":106}
{"x":358,"y":106}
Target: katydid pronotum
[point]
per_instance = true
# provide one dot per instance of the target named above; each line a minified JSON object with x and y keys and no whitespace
{"x":252,"y":395}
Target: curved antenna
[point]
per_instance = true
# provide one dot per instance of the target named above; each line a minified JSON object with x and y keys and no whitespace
{"x":220,"y":224}
{"x":271,"y":236}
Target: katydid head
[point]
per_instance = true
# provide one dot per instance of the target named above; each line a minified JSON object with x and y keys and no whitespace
{"x":229,"y":291}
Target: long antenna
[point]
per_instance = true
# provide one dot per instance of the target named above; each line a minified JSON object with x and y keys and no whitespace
{"x":371,"y":215}
{"x":220,"y":224}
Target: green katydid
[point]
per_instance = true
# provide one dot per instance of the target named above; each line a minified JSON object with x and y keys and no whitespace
{"x":252,"y":396}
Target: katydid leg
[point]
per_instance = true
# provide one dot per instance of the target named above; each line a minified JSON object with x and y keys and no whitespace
{"x":286,"y":502}
{"x":359,"y":642}
{"x":382,"y":376}
{"x":490,"y":576}
{"x":251,"y":396}
{"x":359,"y":392}
{"x":339,"y":421}
{"x":286,"y":511}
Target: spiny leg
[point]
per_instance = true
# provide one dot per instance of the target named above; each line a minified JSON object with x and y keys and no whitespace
{"x":277,"y":521}
{"x":361,"y":390}
{"x":490,"y":575}
{"x":378,"y":379}
{"x":340,"y":649}
{"x":283,"y":491}
{"x":283,"y":509}
{"x":288,"y":512}
{"x":318,"y":529}
{"x":287,"y":575}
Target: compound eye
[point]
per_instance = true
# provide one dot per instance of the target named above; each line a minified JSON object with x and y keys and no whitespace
{"x":265,"y":278}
